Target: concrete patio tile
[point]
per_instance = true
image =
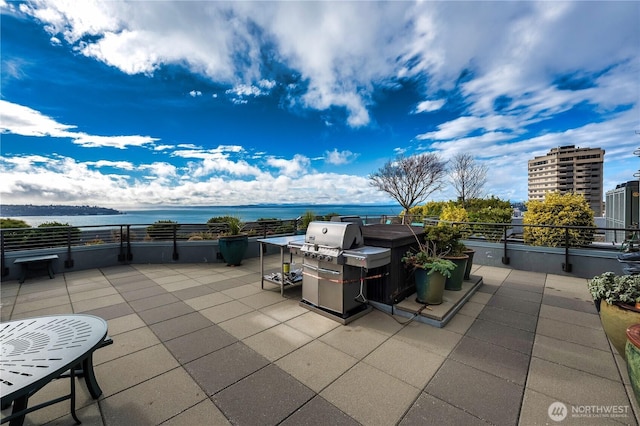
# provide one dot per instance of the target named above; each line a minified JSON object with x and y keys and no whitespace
{"x":132,"y":369}
{"x":569,"y":303}
{"x":137,"y":283}
{"x":481,"y":298}
{"x":86,"y":305}
{"x":519,"y":295}
{"x":204,"y":413}
{"x":493,"y":273}
{"x":574,"y":386}
{"x":284,"y":311}
{"x":319,"y":412}
{"x":438,"y":340}
{"x":10,"y":288}
{"x":151,"y":302}
{"x":88,"y":286}
{"x":370,"y":396}
{"x":526,"y":286}
{"x":226,"y":311}
{"x":573,"y":287}
{"x":403,"y":361}
{"x":123,"y":324}
{"x":179,"y":326}
{"x":208,"y":300}
{"x":460,"y":323}
{"x":110,"y":312}
{"x":248,"y":324}
{"x":171,"y":278}
{"x":120,"y":271}
{"x":92,"y":294}
{"x":276,"y":342}
{"x":594,"y":361}
{"x":481,"y":394}
{"x":492,"y":359}
{"x":487,"y":287}
{"x":509,"y":317}
{"x":54,"y":310}
{"x":316,"y":365}
{"x":132,"y":279}
{"x":199,"y":343}
{"x":380,"y":322}
{"x":585,"y":336}
{"x":473,"y":309}
{"x":40,"y":295}
{"x":313,"y":324}
{"x":224,"y":367}
{"x":89,"y":415}
{"x":535,"y":411}
{"x":573,"y":317}
{"x":264,"y":398}
{"x":526,"y":277}
{"x":153,"y":401}
{"x":142,"y":293}
{"x":126,"y":343}
{"x":240,"y":291}
{"x":502,"y":335}
{"x":193,"y":292}
{"x":262,"y":299}
{"x":37,"y":284}
{"x":511,"y":304}
{"x":165,"y":312}
{"x":181,"y":285}
{"x":37,"y":305}
{"x":353,"y":340}
{"x":428,"y":410}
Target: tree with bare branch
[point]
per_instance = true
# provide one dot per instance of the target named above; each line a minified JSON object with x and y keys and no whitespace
{"x":410,"y":180}
{"x":468,"y":177}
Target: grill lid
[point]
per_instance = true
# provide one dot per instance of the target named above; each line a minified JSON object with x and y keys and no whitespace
{"x":340,"y":235}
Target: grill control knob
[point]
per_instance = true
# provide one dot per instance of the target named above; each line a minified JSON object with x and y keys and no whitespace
{"x":320,"y":257}
{"x":329,"y":258}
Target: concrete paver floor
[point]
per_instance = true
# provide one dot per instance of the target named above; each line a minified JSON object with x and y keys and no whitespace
{"x":204,"y":344}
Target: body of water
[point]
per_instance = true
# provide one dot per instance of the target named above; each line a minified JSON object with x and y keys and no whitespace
{"x":202,"y":214}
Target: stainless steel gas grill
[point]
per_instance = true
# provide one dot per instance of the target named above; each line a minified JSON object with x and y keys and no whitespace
{"x":336,"y":266}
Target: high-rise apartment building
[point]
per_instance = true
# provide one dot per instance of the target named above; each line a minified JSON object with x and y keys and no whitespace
{"x":569,"y":169}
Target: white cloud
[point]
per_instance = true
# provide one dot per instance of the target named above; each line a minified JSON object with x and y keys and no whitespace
{"x":429,"y":106}
{"x":124,"y":165}
{"x":21,"y":120}
{"x":337,"y":158}
{"x":195,"y":93}
{"x":294,"y":167}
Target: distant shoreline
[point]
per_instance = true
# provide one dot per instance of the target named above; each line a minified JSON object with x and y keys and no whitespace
{"x":18,"y":210}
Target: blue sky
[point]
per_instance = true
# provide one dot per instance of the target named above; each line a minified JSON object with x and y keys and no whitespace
{"x":145,"y":103}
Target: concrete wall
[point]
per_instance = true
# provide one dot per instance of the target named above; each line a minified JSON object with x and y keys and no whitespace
{"x":583,"y":263}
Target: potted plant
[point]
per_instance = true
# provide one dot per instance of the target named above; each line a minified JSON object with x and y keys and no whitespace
{"x":430,"y":269}
{"x":231,"y":242}
{"x":617,"y":296}
{"x":447,"y":242}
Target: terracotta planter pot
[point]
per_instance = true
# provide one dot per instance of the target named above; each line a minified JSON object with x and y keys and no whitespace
{"x":615,"y":321}
{"x":454,"y":282}
{"x":633,"y":358}
{"x":429,"y":287}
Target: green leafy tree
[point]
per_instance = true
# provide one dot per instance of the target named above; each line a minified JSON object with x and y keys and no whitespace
{"x":13,"y":223}
{"x":560,"y":210}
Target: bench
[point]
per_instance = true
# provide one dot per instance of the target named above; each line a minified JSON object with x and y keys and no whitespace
{"x":26,"y":261}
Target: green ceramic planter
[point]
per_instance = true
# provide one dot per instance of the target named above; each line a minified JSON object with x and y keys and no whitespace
{"x":454,"y":282}
{"x":615,"y":321}
{"x":233,"y":248}
{"x":633,"y":358}
{"x":429,"y":287}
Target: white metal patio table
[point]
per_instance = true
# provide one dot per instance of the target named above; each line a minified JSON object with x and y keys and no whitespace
{"x":38,"y":350}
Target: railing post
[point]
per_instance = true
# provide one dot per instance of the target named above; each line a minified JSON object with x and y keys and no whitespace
{"x":69,"y":262}
{"x":129,"y":254}
{"x":121,"y":256}
{"x":505,"y":258}
{"x":566,"y":266}
{"x":175,"y":243}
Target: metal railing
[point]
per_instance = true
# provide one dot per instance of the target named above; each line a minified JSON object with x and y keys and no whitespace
{"x":72,"y":238}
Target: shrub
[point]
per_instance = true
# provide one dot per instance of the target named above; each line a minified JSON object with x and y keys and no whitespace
{"x":559,"y":210}
{"x":13,"y":223}
{"x":162,"y":230}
